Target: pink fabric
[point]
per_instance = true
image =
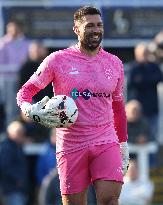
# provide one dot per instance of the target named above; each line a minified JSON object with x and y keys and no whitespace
{"x":78,"y":169}
{"x":120,"y":120}
{"x":25,"y":95}
{"x":94,"y":83}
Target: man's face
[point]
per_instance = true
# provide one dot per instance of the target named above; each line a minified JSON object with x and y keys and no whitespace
{"x":90,"y":32}
{"x":13,"y":29}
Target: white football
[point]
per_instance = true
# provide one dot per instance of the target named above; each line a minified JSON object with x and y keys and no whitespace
{"x":66,"y":109}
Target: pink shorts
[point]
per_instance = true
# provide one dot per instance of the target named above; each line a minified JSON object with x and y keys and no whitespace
{"x":79,"y":169}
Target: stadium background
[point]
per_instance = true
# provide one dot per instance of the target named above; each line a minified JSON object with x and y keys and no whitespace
{"x":126,"y":23}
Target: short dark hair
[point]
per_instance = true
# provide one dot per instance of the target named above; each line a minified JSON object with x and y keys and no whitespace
{"x":85,"y":10}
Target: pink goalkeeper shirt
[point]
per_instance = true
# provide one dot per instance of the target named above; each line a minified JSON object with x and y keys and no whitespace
{"x":93,"y":82}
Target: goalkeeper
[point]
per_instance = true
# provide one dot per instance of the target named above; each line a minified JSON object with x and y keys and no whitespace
{"x":94,"y":149}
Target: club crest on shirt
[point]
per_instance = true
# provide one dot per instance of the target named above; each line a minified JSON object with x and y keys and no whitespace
{"x":108,"y":72}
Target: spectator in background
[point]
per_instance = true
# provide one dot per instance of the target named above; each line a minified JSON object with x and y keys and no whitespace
{"x":13,"y":166}
{"x":13,"y":53}
{"x":13,"y":45}
{"x":36,"y":53}
{"x":138,"y":127}
{"x":143,"y":79}
{"x":47,"y":160}
{"x":134,"y":190}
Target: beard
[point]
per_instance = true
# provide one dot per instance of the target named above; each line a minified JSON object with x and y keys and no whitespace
{"x":88,"y":42}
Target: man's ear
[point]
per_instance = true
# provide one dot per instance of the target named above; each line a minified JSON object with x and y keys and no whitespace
{"x":76,"y":30}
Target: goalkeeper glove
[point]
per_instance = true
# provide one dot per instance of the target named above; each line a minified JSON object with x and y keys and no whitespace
{"x":40,"y":115}
{"x":125,"y":156}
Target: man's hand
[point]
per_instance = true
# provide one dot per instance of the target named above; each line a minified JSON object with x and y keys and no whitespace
{"x":125,"y":156}
{"x":38,"y":114}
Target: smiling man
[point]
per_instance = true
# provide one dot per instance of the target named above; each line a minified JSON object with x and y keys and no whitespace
{"x":89,"y":29}
{"x":93,"y":150}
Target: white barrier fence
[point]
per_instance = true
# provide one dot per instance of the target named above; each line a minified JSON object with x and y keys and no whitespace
{"x":142,"y":152}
